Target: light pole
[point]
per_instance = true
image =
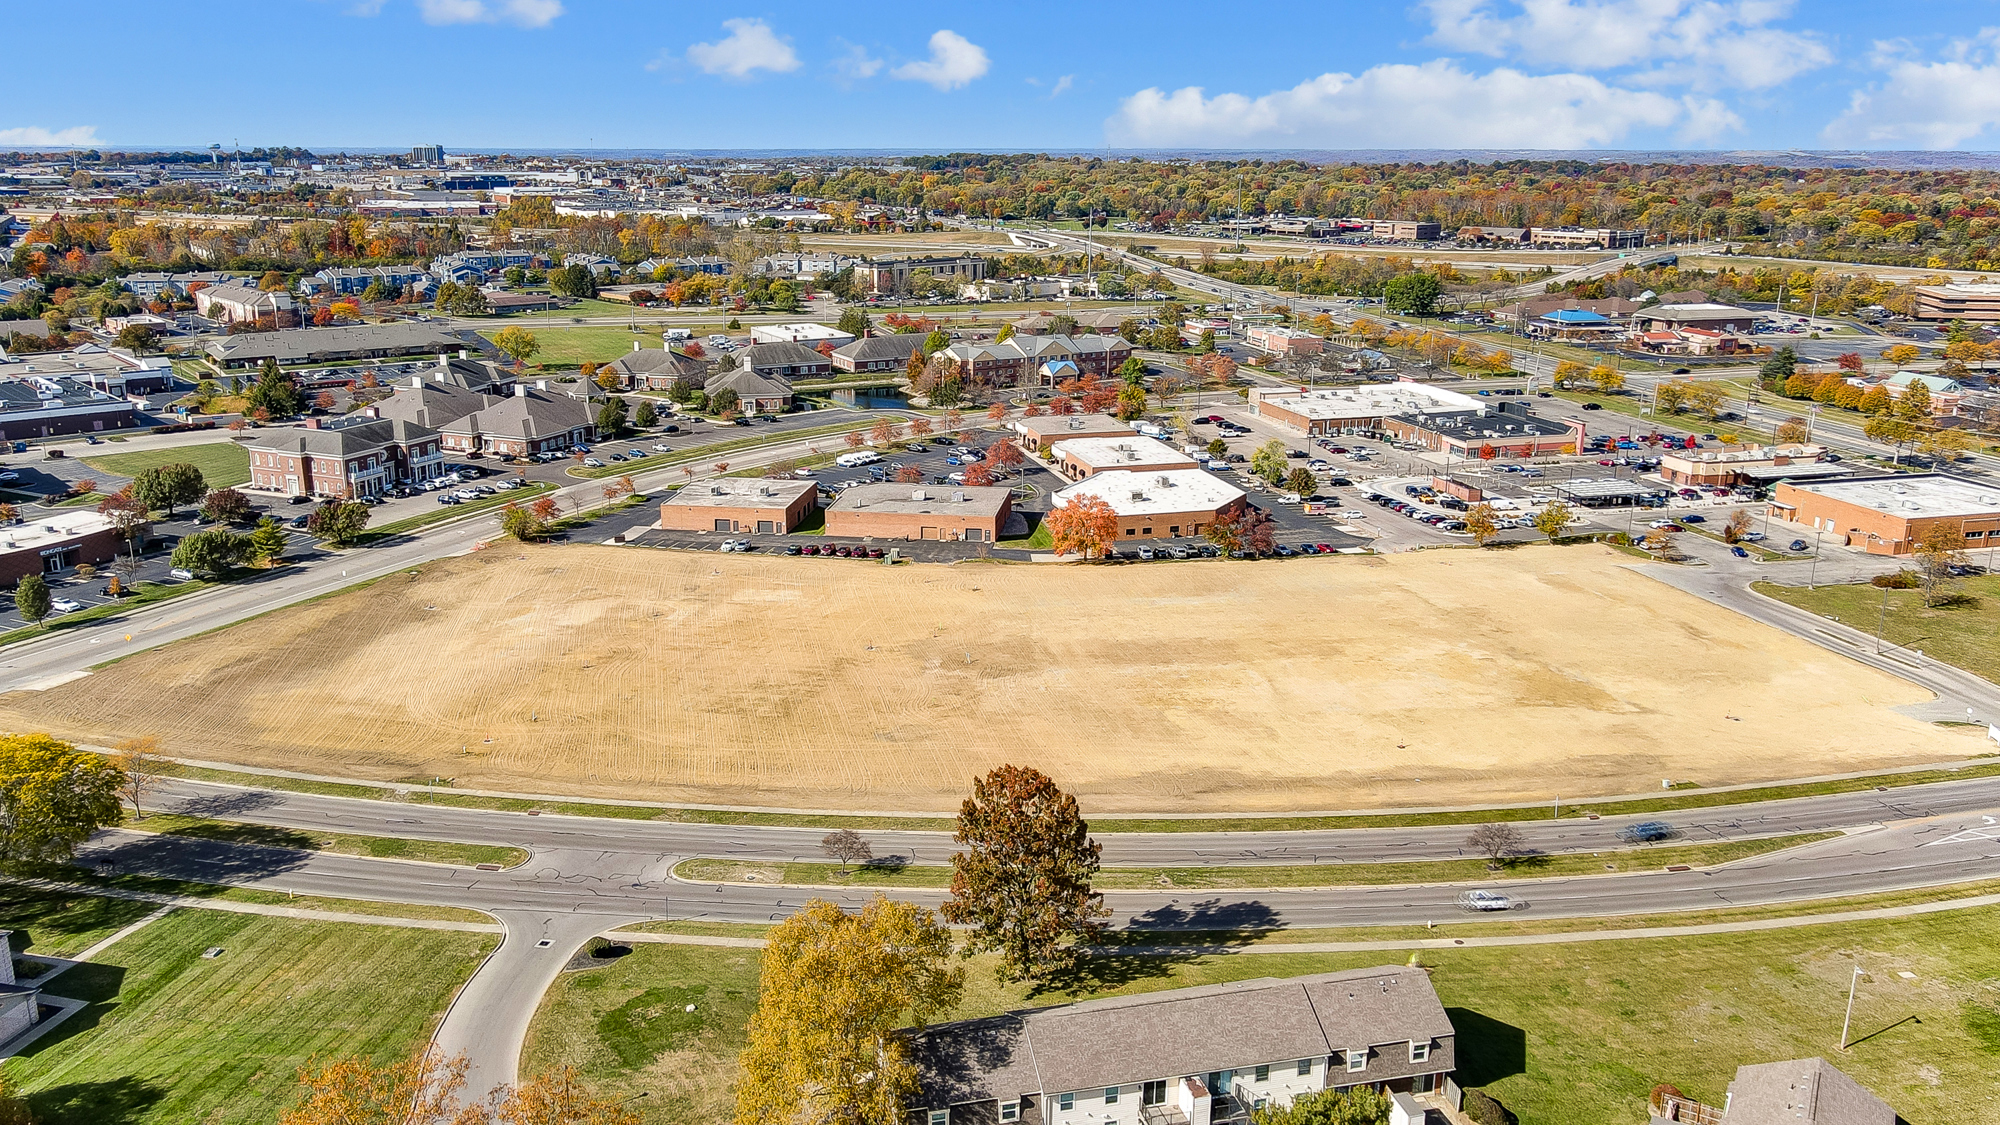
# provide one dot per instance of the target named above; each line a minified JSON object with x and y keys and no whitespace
{"x":1852,"y":981}
{"x":1813,"y":575}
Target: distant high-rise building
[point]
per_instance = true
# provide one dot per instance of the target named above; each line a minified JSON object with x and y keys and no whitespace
{"x":427,"y":154}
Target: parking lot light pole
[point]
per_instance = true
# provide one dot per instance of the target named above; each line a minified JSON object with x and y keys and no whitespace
{"x":1852,"y":981}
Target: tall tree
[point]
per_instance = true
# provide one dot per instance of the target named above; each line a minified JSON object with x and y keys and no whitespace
{"x":267,"y":542}
{"x":422,"y":1090}
{"x":1023,"y":879}
{"x":1554,"y":519}
{"x":52,"y":797}
{"x":1940,"y":556}
{"x":1413,"y":293}
{"x":338,"y":521}
{"x":31,"y":597}
{"x":854,"y":322}
{"x":139,"y":759}
{"x":516,"y":343}
{"x":225,"y":505}
{"x":210,"y":552}
{"x":1482,"y":524}
{"x":824,"y":1044}
{"x":166,"y":487}
{"x":611,"y":418}
{"x":275,"y":392}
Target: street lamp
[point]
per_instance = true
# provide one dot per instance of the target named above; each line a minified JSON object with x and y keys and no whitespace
{"x":1852,"y":981}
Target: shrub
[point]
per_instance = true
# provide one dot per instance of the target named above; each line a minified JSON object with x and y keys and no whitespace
{"x":1901,"y":580}
{"x":1485,"y":1109}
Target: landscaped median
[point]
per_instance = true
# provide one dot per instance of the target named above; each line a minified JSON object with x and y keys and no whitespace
{"x":339,"y":843}
{"x":706,"y":452}
{"x":1296,"y":875}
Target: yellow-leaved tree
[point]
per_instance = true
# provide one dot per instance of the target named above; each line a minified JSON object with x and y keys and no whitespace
{"x":824,"y":1044}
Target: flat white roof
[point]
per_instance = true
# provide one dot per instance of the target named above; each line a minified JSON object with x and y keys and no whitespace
{"x":776,"y":333}
{"x":1120,"y":452}
{"x":1382,"y":401}
{"x":1667,"y":312}
{"x":740,"y":492}
{"x":47,"y":531}
{"x":1154,"y":493}
{"x":1912,"y":497}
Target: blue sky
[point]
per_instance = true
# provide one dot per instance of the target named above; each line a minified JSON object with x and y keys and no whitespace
{"x":1166,"y":74}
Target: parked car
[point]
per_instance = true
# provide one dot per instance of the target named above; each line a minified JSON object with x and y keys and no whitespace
{"x":65,"y":605}
{"x":1739,"y":552}
{"x":1693,"y":518}
{"x":181,"y":574}
{"x":1146,"y":553}
{"x":592,"y":462}
{"x":1798,"y":544}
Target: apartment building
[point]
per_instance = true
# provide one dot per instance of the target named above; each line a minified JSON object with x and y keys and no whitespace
{"x":357,"y":456}
{"x":1193,"y":1056}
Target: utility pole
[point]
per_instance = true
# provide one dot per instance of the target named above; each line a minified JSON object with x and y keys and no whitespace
{"x":1852,"y":981}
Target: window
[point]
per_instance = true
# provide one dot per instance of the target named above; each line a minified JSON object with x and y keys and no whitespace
{"x":1357,"y":1060}
{"x":1264,"y":1073}
{"x":1111,"y":1095}
{"x":1153,"y":1093}
{"x":1064,"y":1102}
{"x":1305,"y":1066}
{"x":1010,"y":1111}
{"x":1420,"y":1052}
{"x":940,"y":1117}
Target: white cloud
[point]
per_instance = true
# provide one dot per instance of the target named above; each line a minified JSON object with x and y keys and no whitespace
{"x":854,"y":64}
{"x":954,"y":62}
{"x":1435,"y":105}
{"x":84,"y":136}
{"x":1062,"y":85}
{"x":1705,"y":120}
{"x":523,"y":13}
{"x":750,"y":46}
{"x":1925,"y":103}
{"x":1706,"y":44}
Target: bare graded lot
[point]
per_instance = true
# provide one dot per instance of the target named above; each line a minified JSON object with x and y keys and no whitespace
{"x":1426,"y":679}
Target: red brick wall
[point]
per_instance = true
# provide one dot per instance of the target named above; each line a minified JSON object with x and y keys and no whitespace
{"x":868,"y":524}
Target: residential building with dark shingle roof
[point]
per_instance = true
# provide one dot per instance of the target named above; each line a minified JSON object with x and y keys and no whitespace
{"x":878,"y":353}
{"x":1190,"y":1056}
{"x":355,"y":456}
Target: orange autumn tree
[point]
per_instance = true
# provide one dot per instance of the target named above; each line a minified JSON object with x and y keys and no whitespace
{"x":1085,"y":526}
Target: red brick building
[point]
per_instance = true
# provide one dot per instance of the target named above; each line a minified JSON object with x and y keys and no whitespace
{"x":53,"y":544}
{"x":904,"y":511}
{"x":363,"y":457}
{"x":737,"y":505}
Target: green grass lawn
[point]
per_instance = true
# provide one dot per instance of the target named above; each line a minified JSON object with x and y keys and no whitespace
{"x":1040,"y":539}
{"x":1965,"y":633}
{"x":222,"y":463}
{"x":62,"y":923}
{"x":1285,"y":875}
{"x":569,"y":347}
{"x":172,"y":1037}
{"x":1573,"y":1034}
{"x":588,"y":306}
{"x":342,"y":843}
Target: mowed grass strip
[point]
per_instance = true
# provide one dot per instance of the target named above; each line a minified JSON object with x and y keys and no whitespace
{"x":84,"y":879}
{"x":222,"y":463}
{"x":173,"y":1037}
{"x":1278,"y":875}
{"x":340,"y":843}
{"x":705,"y":452}
{"x":1562,"y":1034}
{"x":56,"y":923}
{"x":1965,"y":633}
{"x":1107,"y":825}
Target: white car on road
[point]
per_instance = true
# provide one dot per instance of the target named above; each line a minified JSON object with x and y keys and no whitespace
{"x":1484,"y":900}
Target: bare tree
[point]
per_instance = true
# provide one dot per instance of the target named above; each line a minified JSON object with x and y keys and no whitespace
{"x":143,"y":765}
{"x":847,"y":847}
{"x":1498,"y":841}
{"x":1940,"y":555}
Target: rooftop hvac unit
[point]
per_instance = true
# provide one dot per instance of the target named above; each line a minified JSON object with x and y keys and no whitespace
{"x":1163,"y":482}
{"x":920,"y":494}
{"x":958,"y":497}
{"x":715,"y":490}
{"x":1138,"y":495}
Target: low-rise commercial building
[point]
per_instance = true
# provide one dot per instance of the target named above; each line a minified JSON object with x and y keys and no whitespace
{"x":1355,"y":410}
{"x":786,"y":360}
{"x":1888,"y":515}
{"x":1975,"y":302}
{"x":1047,"y":429}
{"x":904,"y":511}
{"x":1279,"y":340}
{"x":1160,"y":505}
{"x":1404,"y":230}
{"x":51,"y":405}
{"x":1018,"y":361}
{"x":811,"y":335}
{"x":878,"y":353}
{"x":1572,"y":238}
{"x":756,"y":392}
{"x":243,"y":304}
{"x":740,"y":505}
{"x":1510,"y":431}
{"x":293,"y":346}
{"x":892,"y":275}
{"x":1752,"y":465}
{"x":57,"y":542}
{"x":657,"y":369}
{"x":1193,"y":1056}
{"x":113,"y":371}
{"x":1078,"y":458}
{"x":1715,"y":318}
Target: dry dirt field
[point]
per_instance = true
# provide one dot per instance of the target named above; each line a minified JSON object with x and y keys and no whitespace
{"x":1432,"y":678}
